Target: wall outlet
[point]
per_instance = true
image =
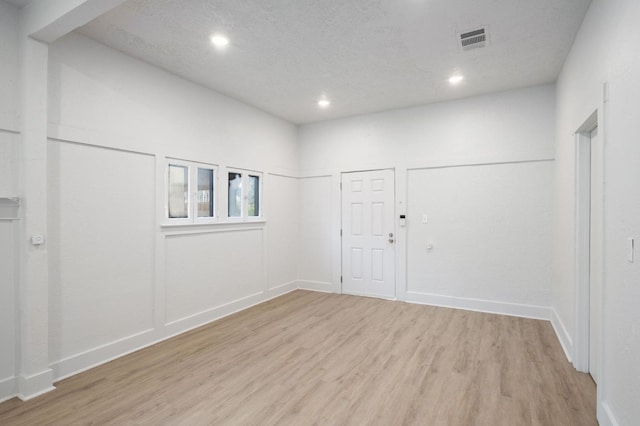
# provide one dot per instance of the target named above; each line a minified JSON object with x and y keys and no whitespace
{"x":37,"y":239}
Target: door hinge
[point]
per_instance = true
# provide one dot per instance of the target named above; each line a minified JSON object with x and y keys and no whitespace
{"x":340,"y":279}
{"x":341,"y":232}
{"x":340,"y":186}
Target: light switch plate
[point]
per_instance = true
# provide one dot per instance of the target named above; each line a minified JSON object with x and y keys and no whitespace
{"x":37,"y":239}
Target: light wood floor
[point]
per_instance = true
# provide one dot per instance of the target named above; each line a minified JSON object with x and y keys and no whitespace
{"x":311,"y":358}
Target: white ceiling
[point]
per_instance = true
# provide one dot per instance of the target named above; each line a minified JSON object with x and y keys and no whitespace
{"x":364,"y":55}
{"x":19,"y":3}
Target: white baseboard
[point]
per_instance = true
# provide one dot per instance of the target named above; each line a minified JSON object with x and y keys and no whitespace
{"x":102,"y":354}
{"x":281,"y":289}
{"x":116,"y":349}
{"x":479,"y":305}
{"x":8,"y":388}
{"x":321,"y":286}
{"x":35,"y":385}
{"x":605,"y":416}
{"x":562,"y":334}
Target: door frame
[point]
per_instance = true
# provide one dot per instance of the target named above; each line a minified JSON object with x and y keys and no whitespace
{"x":583,"y":244}
{"x":398,"y":295}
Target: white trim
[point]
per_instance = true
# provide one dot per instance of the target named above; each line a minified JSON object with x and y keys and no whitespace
{"x":35,"y":385}
{"x":94,"y":357}
{"x":192,"y":218}
{"x":605,"y":415}
{"x":98,"y":146}
{"x":582,"y":232}
{"x":320,"y":286}
{"x":582,"y":241}
{"x":244,"y":208}
{"x":479,"y":305}
{"x":8,"y":388}
{"x":401,"y":238}
{"x":477,"y":164}
{"x":562,"y":334}
{"x":9,"y":123}
{"x":113,"y":350}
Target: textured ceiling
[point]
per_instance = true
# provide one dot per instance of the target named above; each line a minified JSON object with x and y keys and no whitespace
{"x":364,"y":55}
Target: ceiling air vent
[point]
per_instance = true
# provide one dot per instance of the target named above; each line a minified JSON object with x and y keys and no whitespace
{"x":473,"y":39}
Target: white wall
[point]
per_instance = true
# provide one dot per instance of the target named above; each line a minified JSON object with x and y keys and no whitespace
{"x":508,"y":126}
{"x":118,"y":280}
{"x":283,"y":215}
{"x":8,"y":100}
{"x":489,"y":227}
{"x":316,"y":256}
{"x":8,"y":367}
{"x":8,"y":66}
{"x":605,"y":51}
{"x":8,"y":188}
{"x":486,"y":160}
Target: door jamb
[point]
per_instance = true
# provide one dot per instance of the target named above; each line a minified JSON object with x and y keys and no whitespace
{"x":582,"y":247}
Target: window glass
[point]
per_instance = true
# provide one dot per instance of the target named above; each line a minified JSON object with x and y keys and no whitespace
{"x":178,"y":191}
{"x":253,"y":196}
{"x":235,"y":194}
{"x":205,"y":193}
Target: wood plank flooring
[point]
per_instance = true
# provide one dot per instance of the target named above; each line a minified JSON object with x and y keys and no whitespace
{"x":312,"y":358}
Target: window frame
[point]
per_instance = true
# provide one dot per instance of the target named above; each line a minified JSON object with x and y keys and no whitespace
{"x":244,"y":206}
{"x":192,"y":191}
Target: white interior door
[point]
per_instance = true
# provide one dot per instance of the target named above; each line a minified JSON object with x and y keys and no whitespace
{"x":595,"y":253}
{"x":368,"y":233}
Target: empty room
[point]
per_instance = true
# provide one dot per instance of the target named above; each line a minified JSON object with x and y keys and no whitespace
{"x":265,"y":212}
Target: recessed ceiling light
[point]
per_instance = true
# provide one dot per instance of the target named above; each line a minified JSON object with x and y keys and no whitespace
{"x":219,"y":40}
{"x":324,"y":103}
{"x":455,"y":79}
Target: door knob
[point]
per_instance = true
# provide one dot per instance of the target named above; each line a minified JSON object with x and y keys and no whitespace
{"x":390,"y":240}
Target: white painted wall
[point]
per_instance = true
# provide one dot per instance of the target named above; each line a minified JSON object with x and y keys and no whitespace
{"x":9,"y":153}
{"x":316,"y":247}
{"x":8,"y":66}
{"x":512,"y":201}
{"x":489,"y":227}
{"x":8,"y":100}
{"x":604,"y":51}
{"x":283,"y":215}
{"x":118,"y":280}
{"x":101,"y":246}
{"x":8,"y":365}
{"x":507,"y":126}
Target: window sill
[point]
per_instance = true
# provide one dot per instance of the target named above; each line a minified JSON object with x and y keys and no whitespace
{"x":229,"y":224}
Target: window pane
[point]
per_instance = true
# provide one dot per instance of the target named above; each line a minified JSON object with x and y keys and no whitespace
{"x":205,"y":193}
{"x":253,"y":196}
{"x":235,"y":194}
{"x":178,"y":191}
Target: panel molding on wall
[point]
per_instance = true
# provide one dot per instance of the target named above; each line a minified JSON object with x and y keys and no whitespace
{"x":481,"y":233}
{"x":8,"y":309}
{"x":101,"y":246}
{"x":209,"y":269}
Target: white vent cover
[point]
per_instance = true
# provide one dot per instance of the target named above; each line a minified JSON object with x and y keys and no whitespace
{"x":473,"y":39}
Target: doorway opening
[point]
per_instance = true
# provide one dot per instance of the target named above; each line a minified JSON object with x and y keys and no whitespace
{"x":589,"y":247}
